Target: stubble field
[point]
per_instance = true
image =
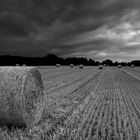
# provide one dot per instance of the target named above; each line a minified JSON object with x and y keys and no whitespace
{"x":86,"y":104}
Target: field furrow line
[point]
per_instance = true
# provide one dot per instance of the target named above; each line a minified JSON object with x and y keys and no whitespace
{"x":127,"y":99}
{"x":78,"y":96}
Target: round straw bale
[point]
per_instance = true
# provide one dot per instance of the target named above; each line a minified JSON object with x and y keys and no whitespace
{"x":119,"y":66}
{"x":132,"y":66}
{"x":100,"y":67}
{"x":71,"y":65}
{"x":58,"y":65}
{"x":21,"y":96}
{"x":81,"y":66}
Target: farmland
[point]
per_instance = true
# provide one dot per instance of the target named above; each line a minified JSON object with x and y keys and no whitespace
{"x":86,"y":104}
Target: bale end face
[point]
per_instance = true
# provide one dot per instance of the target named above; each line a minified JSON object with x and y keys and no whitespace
{"x":21,"y":96}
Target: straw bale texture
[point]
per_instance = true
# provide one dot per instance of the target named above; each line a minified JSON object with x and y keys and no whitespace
{"x":21,"y":96}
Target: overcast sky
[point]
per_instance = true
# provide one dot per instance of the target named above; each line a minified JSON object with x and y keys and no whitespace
{"x":97,"y":29}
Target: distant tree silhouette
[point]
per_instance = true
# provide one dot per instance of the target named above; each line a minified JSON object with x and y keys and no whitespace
{"x":123,"y":64}
{"x":52,"y":59}
{"x":116,"y":63}
{"x":135,"y":62}
{"x":108,"y":62}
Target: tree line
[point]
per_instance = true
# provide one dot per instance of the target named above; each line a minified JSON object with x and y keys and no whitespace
{"x":52,"y":59}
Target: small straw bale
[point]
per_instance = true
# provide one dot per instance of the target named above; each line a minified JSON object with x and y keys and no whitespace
{"x":21,"y":96}
{"x":119,"y":66}
{"x":132,"y":66}
{"x":71,"y":65}
{"x":81,"y":66}
{"x":100,"y":67}
{"x":58,"y":65}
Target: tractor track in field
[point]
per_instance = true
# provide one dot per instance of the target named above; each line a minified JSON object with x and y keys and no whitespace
{"x":67,"y":84}
{"x":59,"y":73}
{"x":62,"y":111}
{"x":80,"y":88}
{"x":132,"y":72}
{"x":111,"y":113}
{"x":132,"y":69}
{"x":61,"y":78}
{"x":72,"y":87}
{"x":130,"y":96}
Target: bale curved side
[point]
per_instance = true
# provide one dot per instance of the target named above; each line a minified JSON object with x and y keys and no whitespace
{"x":21,"y":96}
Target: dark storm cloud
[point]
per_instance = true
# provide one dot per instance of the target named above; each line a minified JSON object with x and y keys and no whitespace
{"x":60,"y":26}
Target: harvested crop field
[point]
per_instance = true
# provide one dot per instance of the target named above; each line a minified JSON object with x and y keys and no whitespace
{"x":86,"y":104}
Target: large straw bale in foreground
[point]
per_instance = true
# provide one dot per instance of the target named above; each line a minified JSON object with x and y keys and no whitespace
{"x":21,"y":96}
